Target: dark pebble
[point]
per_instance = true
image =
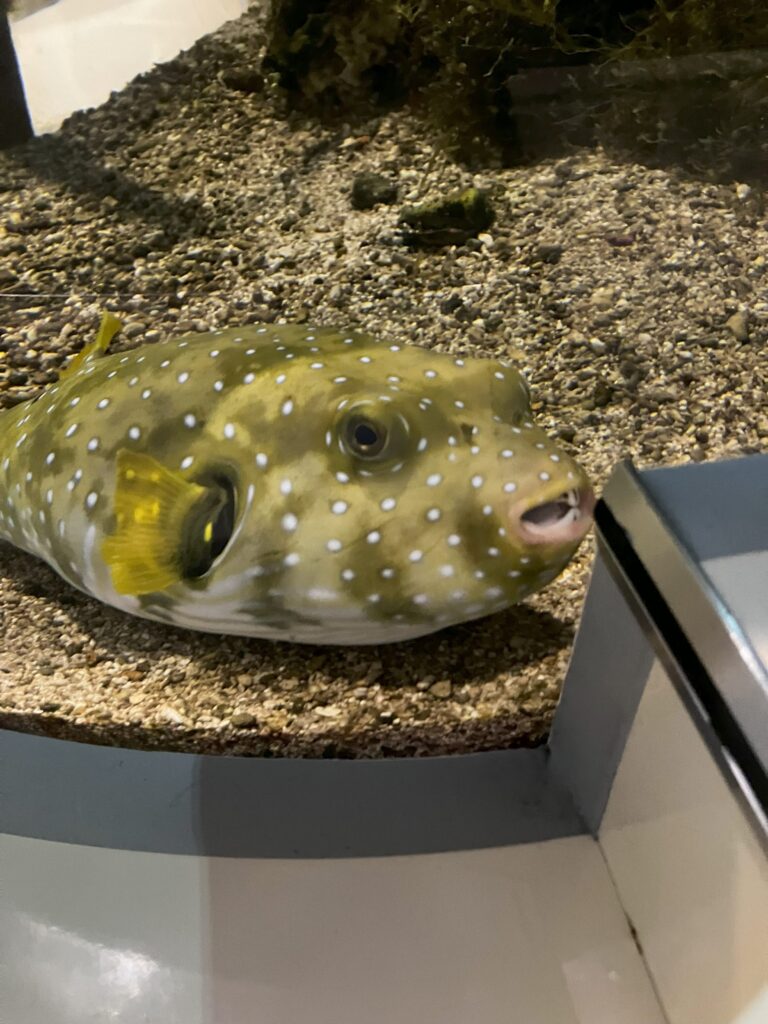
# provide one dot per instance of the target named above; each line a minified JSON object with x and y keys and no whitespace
{"x":243,"y":79}
{"x":620,"y":241}
{"x":548,"y":253}
{"x":244,"y":720}
{"x":602,"y":394}
{"x":449,"y":304}
{"x":368,"y":190}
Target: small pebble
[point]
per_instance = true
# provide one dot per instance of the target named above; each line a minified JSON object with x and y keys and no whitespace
{"x":738,"y":325}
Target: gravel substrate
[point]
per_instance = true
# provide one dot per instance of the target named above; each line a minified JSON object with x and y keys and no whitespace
{"x":635,"y":300}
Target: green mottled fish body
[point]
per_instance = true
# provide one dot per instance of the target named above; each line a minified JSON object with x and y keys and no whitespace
{"x":291,"y":483}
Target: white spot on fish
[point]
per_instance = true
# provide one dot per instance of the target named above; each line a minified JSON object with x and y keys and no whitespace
{"x":544,"y":476}
{"x":146,"y":392}
{"x":187,"y":461}
{"x":347,"y":574}
{"x":286,"y":486}
{"x":290,"y":522}
{"x":291,"y":559}
{"x":103,"y":403}
{"x":134,"y":433}
{"x":69,"y":431}
{"x":229,"y":430}
{"x":218,"y":385}
{"x":453,"y":540}
{"x":433,"y":514}
{"x":415,"y":556}
{"x":249,"y":378}
{"x":434,"y":479}
{"x":287,"y":407}
{"x":91,"y":499}
{"x":509,"y":487}
{"x":387,"y":504}
{"x":93,"y":444}
{"x":477,"y":481}
{"x":373,"y":537}
{"x":339,"y":507}
{"x":334,"y":545}
{"x":48,"y":459}
{"x":190,"y":420}
{"x":447,"y":570}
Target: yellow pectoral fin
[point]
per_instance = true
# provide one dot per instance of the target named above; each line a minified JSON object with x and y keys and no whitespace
{"x":108,"y":328}
{"x":151,"y":506}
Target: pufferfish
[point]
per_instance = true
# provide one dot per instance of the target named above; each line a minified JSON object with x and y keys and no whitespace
{"x":293,"y":483}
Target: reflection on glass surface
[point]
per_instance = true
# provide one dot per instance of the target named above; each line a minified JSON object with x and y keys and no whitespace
{"x":69,"y":977}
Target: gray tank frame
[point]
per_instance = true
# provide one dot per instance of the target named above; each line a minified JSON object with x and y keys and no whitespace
{"x":649,"y":596}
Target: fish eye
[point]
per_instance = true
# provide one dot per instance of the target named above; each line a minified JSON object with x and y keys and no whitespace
{"x":364,"y":437}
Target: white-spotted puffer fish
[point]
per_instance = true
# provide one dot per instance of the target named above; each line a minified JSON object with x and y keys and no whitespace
{"x":292,"y":483}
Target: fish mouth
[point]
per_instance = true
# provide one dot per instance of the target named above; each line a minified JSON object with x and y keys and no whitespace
{"x":561,"y":520}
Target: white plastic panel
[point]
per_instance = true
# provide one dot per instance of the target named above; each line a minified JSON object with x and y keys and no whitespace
{"x":529,"y":933}
{"x":742,"y":580}
{"x":689,"y":869}
{"x":74,"y":53}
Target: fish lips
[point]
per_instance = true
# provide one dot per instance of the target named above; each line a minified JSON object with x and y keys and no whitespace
{"x":562,"y":520}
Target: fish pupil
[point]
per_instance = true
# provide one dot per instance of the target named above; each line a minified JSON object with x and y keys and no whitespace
{"x":364,"y":437}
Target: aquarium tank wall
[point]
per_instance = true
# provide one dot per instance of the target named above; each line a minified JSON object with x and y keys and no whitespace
{"x":576,"y":192}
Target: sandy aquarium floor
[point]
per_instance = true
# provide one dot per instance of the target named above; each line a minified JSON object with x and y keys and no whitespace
{"x":635,"y":300}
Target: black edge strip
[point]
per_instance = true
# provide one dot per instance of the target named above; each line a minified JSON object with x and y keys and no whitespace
{"x":15,"y":122}
{"x":689,"y":666}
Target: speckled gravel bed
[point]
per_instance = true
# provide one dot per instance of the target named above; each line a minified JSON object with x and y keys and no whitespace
{"x":636,"y":301}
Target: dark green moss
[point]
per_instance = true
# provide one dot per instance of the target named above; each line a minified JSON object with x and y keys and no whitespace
{"x":448,"y":221}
